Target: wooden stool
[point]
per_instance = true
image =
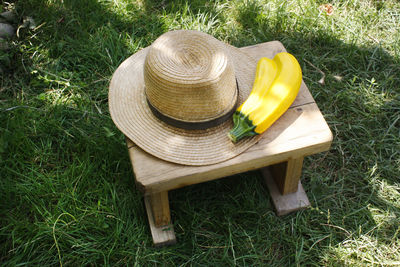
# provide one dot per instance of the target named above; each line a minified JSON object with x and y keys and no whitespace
{"x":300,"y":132}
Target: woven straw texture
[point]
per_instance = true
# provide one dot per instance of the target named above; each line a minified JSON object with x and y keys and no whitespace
{"x":131,"y":114}
{"x":182,"y":69}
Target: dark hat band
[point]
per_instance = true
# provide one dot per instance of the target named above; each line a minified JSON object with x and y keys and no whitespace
{"x":194,"y":125}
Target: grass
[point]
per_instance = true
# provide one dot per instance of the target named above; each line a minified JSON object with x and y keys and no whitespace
{"x":67,"y":190}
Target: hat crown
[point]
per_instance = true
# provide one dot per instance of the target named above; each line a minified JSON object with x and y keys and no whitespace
{"x":190,"y":77}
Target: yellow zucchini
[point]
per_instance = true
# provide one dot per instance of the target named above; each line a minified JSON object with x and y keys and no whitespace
{"x":265,"y":74}
{"x":272,"y":94}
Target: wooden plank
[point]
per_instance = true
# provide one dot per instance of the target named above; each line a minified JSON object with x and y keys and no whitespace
{"x":160,"y":207}
{"x":285,"y":204}
{"x":299,"y":132}
{"x":287,"y":175}
{"x":267,"y":49}
{"x":163,"y":235}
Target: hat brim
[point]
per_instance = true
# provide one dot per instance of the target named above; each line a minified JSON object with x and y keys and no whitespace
{"x":132,"y":115}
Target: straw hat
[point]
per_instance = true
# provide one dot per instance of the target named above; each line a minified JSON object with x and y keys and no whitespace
{"x":175,"y":98}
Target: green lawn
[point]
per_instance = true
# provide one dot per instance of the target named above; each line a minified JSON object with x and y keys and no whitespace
{"x":67,"y":190}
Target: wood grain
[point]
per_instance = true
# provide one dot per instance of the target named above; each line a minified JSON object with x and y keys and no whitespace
{"x":287,"y":174}
{"x":163,"y":235}
{"x":297,"y":133}
{"x":285,"y":204}
{"x":160,"y":208}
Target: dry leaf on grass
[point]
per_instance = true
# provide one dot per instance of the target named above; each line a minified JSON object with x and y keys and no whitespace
{"x":327,"y":8}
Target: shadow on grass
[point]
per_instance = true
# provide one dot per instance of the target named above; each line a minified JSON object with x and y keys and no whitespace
{"x":71,"y":159}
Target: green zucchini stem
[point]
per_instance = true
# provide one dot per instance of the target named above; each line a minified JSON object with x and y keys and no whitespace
{"x":242,"y":127}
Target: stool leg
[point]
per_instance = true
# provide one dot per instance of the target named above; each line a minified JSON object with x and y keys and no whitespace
{"x":160,"y":208}
{"x":157,"y":208}
{"x":287,"y":175}
{"x":283,"y":182}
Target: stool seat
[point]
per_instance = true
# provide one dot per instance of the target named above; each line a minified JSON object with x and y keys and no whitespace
{"x":300,"y":132}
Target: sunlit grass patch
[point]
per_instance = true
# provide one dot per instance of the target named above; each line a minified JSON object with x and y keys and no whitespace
{"x":365,"y":250}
